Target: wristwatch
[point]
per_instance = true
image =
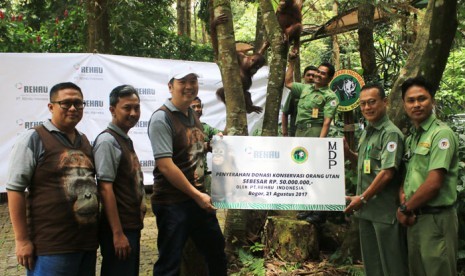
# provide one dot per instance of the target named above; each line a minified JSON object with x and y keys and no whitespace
{"x":403,"y":210}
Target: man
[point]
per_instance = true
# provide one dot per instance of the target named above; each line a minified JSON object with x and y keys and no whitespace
{"x":54,"y":162}
{"x":208,"y":132}
{"x":378,"y":180}
{"x":290,"y":105}
{"x":429,"y":191}
{"x":315,"y":111}
{"x":121,"y":186}
{"x":179,"y":201}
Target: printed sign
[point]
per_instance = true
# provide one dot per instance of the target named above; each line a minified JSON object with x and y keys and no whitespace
{"x":278,"y":173}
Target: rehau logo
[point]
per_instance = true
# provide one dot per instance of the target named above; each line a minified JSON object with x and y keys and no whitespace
{"x":91,"y":70}
{"x":146,"y":91}
{"x":93,"y":103}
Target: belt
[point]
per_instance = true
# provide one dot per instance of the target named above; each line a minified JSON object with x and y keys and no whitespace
{"x":308,"y":125}
{"x":432,"y":209}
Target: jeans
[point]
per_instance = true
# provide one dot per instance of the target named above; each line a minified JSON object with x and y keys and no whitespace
{"x":176,"y":222}
{"x":66,"y":264}
{"x":113,"y":266}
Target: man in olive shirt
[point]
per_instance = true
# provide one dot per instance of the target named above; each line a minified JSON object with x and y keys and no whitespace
{"x":378,"y":180}
{"x":317,"y":104}
{"x":315,"y":111}
{"x":209,"y":132}
{"x":290,"y":105}
{"x":429,"y":190}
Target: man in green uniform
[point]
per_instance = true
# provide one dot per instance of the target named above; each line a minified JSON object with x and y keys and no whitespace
{"x":290,"y":105}
{"x":209,"y":131}
{"x":378,"y":180}
{"x":429,"y":191}
{"x":315,"y":111}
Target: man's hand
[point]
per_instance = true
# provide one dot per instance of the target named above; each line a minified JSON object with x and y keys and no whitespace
{"x":122,"y":247}
{"x":205,"y":202}
{"x":354,"y":205}
{"x":404,"y":219}
{"x":25,"y":253}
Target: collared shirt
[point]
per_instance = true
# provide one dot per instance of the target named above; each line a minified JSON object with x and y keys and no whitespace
{"x":107,"y":154}
{"x":323,"y":100}
{"x":381,"y":145}
{"x":160,"y":130}
{"x":431,"y":146}
{"x":28,"y":151}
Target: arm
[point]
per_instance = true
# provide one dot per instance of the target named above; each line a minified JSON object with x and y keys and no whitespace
{"x":380,"y":181}
{"x":24,"y":247}
{"x":175,"y":176}
{"x":120,"y":241}
{"x":325,"y":128}
{"x":427,"y":190}
{"x":289,"y":77}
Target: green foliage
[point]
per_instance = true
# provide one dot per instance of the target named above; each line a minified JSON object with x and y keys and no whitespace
{"x":137,"y":28}
{"x":451,"y":97}
{"x":251,"y":265}
{"x":257,"y":247}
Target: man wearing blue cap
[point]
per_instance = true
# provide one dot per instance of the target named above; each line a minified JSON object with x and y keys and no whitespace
{"x":179,"y":202}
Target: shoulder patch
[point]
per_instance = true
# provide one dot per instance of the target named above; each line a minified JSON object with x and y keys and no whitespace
{"x":444,"y":144}
{"x":333,"y":103}
{"x":391,"y":146}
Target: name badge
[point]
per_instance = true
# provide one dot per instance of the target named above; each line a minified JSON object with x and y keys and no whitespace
{"x":315,"y":113}
{"x":366,"y":166}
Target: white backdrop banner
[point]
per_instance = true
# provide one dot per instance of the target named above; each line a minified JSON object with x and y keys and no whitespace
{"x":26,"y":79}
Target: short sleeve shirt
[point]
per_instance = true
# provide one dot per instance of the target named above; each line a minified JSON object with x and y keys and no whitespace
{"x":433,"y":145}
{"x":323,"y":100}
{"x":107,"y":154}
{"x":381,"y":144}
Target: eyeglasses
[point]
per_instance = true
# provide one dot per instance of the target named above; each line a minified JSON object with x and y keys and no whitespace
{"x":368,"y":103}
{"x":79,"y":105}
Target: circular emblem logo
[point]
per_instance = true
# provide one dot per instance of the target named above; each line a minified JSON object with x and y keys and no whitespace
{"x":444,"y":144}
{"x":391,"y":146}
{"x":347,"y":85}
{"x":299,"y":155}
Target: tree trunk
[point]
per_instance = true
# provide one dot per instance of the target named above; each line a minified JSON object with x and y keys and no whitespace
{"x":259,"y":31}
{"x":336,"y":51}
{"x":98,"y":30}
{"x":429,"y":53}
{"x":235,"y":230}
{"x":183,"y":12}
{"x":366,"y":12}
{"x":277,"y":69}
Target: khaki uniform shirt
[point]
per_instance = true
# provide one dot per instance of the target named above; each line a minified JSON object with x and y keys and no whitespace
{"x":432,"y":146}
{"x":381,"y":145}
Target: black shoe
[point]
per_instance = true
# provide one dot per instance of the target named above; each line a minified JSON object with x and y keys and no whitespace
{"x":303,"y":215}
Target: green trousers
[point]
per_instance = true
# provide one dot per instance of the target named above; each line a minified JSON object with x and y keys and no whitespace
{"x":384,"y":248}
{"x":433,"y":244}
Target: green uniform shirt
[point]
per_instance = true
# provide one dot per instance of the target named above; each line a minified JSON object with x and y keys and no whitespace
{"x":209,"y":131}
{"x":310,"y":99}
{"x":382,"y":144}
{"x":432,"y":146}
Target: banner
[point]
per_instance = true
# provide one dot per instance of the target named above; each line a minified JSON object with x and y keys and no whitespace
{"x":278,"y":173}
{"x":26,"y":79}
